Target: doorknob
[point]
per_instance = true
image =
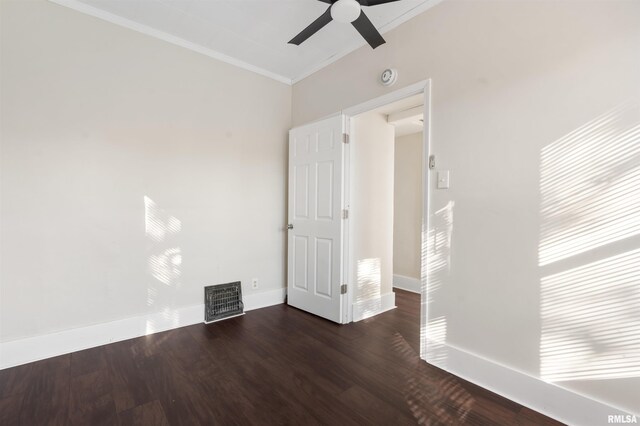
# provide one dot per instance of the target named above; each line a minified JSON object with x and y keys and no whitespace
{"x":290,"y":226}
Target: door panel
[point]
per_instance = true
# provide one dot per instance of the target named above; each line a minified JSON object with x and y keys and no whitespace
{"x":300,"y":262}
{"x":301,"y":202}
{"x":315,"y":243}
{"x":324,"y":193}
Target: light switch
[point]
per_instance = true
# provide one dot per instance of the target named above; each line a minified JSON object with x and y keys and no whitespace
{"x":443,"y":179}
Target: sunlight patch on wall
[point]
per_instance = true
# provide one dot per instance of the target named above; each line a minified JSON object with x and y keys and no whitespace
{"x":438,"y":248}
{"x":436,"y":348}
{"x":436,"y":260}
{"x":591,"y":320}
{"x":164,"y":263}
{"x":369,"y":281}
{"x":165,"y":260}
{"x":590,"y":184}
{"x":158,"y":224}
{"x":590,"y":202}
{"x":165,"y":267}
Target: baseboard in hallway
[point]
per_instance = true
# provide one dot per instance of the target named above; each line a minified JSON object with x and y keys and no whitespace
{"x":406,"y":283}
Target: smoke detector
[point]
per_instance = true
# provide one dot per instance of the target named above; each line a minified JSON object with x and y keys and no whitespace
{"x":389,"y":77}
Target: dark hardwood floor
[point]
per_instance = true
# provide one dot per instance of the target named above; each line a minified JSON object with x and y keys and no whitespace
{"x":276,"y":365}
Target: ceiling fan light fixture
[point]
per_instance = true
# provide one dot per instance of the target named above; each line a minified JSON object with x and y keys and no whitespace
{"x":345,"y":11}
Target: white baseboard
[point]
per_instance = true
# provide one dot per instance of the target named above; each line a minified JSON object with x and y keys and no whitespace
{"x":264,"y":299}
{"x":406,"y":283}
{"x":370,"y":307}
{"x":31,"y":349}
{"x":546,"y":398}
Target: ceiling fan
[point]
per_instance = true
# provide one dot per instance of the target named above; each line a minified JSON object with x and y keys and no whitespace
{"x":346,"y":11}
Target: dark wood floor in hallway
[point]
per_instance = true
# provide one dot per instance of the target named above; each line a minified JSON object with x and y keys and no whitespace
{"x":276,"y":365}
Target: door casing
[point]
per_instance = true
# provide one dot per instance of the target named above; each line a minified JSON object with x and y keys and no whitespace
{"x":422,"y":87}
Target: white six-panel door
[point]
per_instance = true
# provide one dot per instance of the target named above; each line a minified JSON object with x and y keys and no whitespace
{"x":315,"y":244}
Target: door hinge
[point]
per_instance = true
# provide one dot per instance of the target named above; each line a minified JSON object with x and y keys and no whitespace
{"x":345,"y":213}
{"x":343,"y":289}
{"x":345,"y":138}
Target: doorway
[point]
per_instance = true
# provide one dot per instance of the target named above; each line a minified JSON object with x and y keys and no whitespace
{"x":407,"y":198}
{"x":386,"y":204}
{"x":341,"y":136}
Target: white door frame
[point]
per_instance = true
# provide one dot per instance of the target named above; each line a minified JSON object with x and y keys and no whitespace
{"x":421,"y":87}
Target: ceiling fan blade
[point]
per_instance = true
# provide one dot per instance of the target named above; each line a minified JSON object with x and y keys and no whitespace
{"x":368,"y":31}
{"x":313,"y":28}
{"x":374,"y":2}
{"x":328,"y":1}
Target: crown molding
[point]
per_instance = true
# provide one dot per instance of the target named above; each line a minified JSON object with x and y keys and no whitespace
{"x":144,"y":29}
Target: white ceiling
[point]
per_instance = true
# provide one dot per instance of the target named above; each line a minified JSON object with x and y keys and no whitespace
{"x":403,"y":116}
{"x":252,"y":34}
{"x":408,"y":128}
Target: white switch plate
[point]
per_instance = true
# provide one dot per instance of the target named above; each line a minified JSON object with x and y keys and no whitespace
{"x":443,"y":179}
{"x":254,"y":283}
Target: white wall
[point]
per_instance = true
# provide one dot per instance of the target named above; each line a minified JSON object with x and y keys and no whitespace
{"x":371,"y":212}
{"x":518,"y":90}
{"x":407,"y":205}
{"x":134,"y":172}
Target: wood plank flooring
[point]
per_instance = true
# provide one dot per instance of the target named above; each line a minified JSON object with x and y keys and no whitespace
{"x":276,"y":365}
